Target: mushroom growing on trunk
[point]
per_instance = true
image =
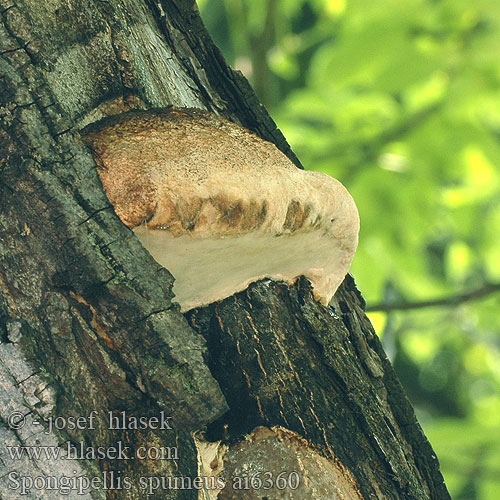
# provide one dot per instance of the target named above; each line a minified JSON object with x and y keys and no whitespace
{"x":221,"y":208}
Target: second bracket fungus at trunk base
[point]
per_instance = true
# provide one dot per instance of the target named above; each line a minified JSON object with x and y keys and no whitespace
{"x":221,"y":208}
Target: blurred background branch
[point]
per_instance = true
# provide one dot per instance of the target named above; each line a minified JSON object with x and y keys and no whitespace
{"x":450,"y":301}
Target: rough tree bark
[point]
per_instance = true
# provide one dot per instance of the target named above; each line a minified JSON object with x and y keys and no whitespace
{"x":87,"y":320}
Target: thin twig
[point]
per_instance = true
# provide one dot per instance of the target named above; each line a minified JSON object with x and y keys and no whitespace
{"x":454,"y":300}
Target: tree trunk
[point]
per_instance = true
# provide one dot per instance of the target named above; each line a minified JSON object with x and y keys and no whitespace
{"x":87,"y":320}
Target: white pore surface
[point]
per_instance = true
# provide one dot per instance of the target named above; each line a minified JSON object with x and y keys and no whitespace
{"x":210,"y":269}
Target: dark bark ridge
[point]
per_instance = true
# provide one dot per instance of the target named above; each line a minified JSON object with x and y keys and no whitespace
{"x":283,"y":359}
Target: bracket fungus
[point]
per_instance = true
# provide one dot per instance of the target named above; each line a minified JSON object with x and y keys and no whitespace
{"x":220,"y":207}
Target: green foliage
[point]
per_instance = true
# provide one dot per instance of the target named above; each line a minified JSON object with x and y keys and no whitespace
{"x":401,"y":102}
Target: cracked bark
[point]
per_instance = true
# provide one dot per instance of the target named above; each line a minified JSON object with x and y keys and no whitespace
{"x":87,"y":320}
